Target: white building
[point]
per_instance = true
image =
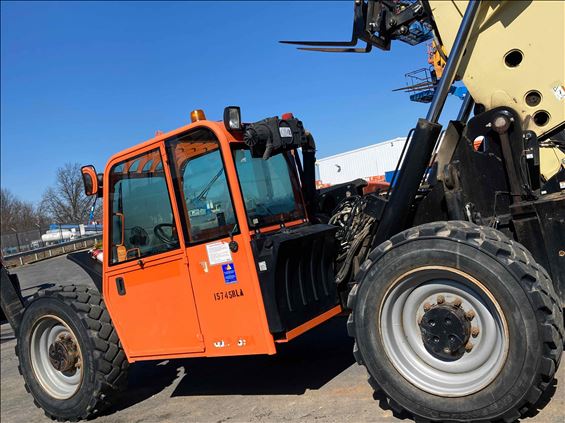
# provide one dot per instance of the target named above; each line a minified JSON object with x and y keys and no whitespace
{"x":371,"y":161}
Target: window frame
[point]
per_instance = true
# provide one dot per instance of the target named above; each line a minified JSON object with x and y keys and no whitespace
{"x":179,"y":194}
{"x":294,"y":181}
{"x":110,"y":205}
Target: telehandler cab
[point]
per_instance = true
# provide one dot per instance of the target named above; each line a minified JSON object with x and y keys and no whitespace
{"x":217,"y":243}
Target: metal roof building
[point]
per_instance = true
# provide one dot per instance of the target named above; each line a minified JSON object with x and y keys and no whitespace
{"x":373,"y":160}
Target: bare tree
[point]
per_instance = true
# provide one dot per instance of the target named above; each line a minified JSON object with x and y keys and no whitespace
{"x":19,"y":215}
{"x":66,"y":202}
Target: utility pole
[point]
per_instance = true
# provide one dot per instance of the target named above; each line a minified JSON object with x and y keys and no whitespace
{"x":17,"y":240}
{"x":40,"y":239}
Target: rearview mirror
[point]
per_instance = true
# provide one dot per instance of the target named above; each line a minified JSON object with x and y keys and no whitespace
{"x":92,"y":182}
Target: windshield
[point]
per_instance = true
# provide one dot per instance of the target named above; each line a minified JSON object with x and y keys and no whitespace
{"x":270,"y":191}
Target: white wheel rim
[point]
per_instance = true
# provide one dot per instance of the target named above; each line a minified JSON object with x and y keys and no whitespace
{"x":60,"y":385}
{"x":402,"y":309}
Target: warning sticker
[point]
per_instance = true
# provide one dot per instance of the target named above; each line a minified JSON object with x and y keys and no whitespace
{"x":285,"y":132}
{"x":229,"y":273}
{"x":559,"y":91}
{"x":218,"y":252}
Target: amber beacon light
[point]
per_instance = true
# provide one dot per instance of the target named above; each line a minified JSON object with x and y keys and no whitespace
{"x":197,"y":115}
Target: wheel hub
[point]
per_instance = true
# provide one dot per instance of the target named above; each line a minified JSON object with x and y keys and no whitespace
{"x":63,"y":353}
{"x":445,"y":331}
{"x":408,"y":334}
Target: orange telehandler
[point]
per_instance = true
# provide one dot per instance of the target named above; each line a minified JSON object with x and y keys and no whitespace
{"x":217,"y":243}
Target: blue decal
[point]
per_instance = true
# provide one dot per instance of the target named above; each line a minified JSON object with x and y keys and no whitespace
{"x":229,"y":273}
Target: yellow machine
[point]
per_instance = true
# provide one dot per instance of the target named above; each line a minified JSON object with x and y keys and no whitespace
{"x":516,"y":57}
{"x":517,"y":60}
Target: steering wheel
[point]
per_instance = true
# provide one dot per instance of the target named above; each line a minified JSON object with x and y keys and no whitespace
{"x":159,"y":233}
{"x":138,"y":236}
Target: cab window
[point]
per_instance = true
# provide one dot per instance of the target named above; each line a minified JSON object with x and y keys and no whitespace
{"x":142,"y":222}
{"x":270,"y":189}
{"x":200,"y":181}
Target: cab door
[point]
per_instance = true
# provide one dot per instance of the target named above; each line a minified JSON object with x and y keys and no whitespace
{"x":221,"y":262}
{"x":147,"y":286}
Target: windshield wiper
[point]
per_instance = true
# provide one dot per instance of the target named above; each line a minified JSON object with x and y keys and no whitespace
{"x":204,"y":193}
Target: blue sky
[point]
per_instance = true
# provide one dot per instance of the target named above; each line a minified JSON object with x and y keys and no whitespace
{"x":81,"y":81}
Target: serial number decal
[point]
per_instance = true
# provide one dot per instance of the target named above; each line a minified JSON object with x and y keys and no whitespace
{"x":228,"y":295}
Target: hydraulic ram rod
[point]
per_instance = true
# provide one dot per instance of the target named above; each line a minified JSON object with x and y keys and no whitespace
{"x":421,"y":147}
{"x":454,"y":60}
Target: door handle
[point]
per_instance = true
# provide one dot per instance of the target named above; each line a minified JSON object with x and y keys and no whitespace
{"x":120,"y":286}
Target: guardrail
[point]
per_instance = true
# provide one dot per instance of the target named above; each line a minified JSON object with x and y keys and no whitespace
{"x":51,"y":250}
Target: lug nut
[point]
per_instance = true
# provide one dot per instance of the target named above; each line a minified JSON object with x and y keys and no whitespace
{"x":469,"y":346}
{"x":427,"y":306}
{"x":470,"y":315}
{"x":475,"y":331}
{"x":447,"y":350}
{"x":440,"y":299}
{"x":457,"y":302}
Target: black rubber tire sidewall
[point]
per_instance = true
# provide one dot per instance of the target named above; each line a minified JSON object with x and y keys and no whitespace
{"x":77,"y":404}
{"x":525,"y":346}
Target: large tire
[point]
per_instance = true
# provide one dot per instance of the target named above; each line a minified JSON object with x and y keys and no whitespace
{"x":524,"y":313}
{"x":77,"y":316}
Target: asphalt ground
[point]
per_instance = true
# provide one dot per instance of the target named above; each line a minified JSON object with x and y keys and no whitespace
{"x":313,"y":379}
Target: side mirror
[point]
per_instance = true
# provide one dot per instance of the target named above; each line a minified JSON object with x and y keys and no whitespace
{"x":92,"y":182}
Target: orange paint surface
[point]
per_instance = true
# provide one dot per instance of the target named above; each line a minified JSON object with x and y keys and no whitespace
{"x":177,"y":303}
{"x":311,"y":324}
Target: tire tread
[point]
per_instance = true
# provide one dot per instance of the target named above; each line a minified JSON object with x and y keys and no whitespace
{"x":110,"y":360}
{"x":533,"y":278}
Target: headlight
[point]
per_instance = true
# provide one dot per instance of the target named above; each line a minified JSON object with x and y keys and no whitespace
{"x":232,"y":118}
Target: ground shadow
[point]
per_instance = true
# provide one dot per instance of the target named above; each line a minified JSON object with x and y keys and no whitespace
{"x":306,"y":363}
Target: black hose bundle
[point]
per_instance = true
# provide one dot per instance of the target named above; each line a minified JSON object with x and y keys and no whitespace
{"x":354,"y":230}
